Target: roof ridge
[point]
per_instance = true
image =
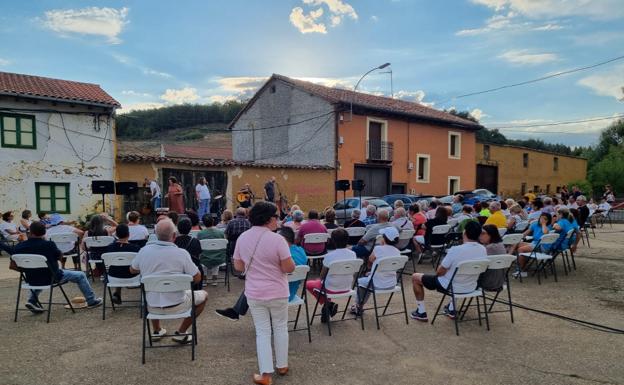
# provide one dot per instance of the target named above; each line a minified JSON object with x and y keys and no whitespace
{"x":49,"y":78}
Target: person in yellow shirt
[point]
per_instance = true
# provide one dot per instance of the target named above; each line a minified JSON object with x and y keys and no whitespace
{"x":496,"y":218}
{"x":530,"y":196}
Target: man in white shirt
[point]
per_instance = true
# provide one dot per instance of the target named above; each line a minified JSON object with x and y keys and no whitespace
{"x":155,"y":193}
{"x":469,"y":250}
{"x":164,"y":257}
{"x":57,"y":226}
{"x":138,"y":232}
{"x":203,"y":197}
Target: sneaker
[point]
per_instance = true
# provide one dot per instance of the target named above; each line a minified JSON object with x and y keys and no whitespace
{"x":324,"y":315}
{"x":334,"y":309}
{"x":449,"y":313}
{"x":419,"y":316}
{"x":96,"y":302}
{"x":182,"y":338}
{"x":116,"y":299}
{"x":522,"y":274}
{"x":34,"y":308}
{"x":355,"y":310}
{"x":228,"y":313}
{"x":159,"y":334}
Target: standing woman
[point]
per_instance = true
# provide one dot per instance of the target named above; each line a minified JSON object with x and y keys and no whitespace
{"x":175,"y":195}
{"x":264,"y":257}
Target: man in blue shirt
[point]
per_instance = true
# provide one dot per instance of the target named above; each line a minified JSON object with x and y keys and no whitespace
{"x":37,"y":244}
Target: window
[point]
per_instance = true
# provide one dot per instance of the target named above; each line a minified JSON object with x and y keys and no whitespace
{"x":536,"y":189}
{"x":453,"y":184}
{"x":486,"y":152}
{"x":555,"y":164}
{"x":18,"y":131}
{"x":523,"y":189}
{"x":558,"y":189}
{"x":273,"y":89}
{"x":52,"y":197}
{"x":422,"y":168}
{"x":525,"y":159}
{"x":547,"y":189}
{"x":454,"y":145}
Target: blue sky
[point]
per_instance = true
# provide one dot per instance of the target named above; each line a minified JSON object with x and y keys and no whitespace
{"x":153,"y":53}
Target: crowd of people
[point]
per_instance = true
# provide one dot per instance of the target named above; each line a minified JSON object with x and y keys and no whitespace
{"x":264,"y":246}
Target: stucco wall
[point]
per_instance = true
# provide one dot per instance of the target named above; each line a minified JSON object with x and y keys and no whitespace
{"x":55,"y":161}
{"x":512,"y":173}
{"x":307,"y":143}
{"x":410,"y":139}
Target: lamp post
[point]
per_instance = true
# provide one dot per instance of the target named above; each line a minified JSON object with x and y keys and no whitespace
{"x":358,"y":83}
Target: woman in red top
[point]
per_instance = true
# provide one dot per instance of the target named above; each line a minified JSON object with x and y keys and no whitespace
{"x":176,"y":196}
{"x":418,"y":219}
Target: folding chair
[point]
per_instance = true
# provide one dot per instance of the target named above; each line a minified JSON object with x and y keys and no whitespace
{"x":300,"y":274}
{"x":8,"y":242}
{"x":408,"y":235}
{"x":585,"y":231}
{"x":355,"y":232}
{"x":152,"y":238}
{"x":167,"y":284}
{"x":510,"y":241}
{"x":438,"y":248}
{"x":567,"y":253}
{"x":541,"y":258}
{"x":385,"y":265}
{"x":68,"y":238}
{"x":453,"y":222}
{"x":121,"y":259}
{"x":27,"y":262}
{"x":95,"y":242}
{"x":315,"y":239}
{"x":337,"y":269}
{"x":218,"y":245}
{"x":606,"y":216}
{"x":502,"y":231}
{"x":472,"y":269}
{"x":330,"y":231}
{"x":521,"y":227}
{"x":498,"y":262}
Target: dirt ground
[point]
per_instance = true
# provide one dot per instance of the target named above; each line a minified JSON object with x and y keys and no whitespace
{"x":82,"y":349}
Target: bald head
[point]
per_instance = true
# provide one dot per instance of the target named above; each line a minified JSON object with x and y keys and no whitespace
{"x":165,"y":230}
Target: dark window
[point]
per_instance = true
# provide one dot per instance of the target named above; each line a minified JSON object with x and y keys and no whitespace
{"x":486,"y":152}
{"x":273,"y":89}
{"x":18,"y":131}
{"x":558,"y":189}
{"x":536,"y":189}
{"x":555,"y":164}
{"x":547,"y":189}
{"x":523,"y":189}
{"x":525,"y":160}
{"x":52,"y":197}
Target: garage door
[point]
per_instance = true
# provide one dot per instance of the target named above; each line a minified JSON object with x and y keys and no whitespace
{"x":376,"y":180}
{"x":487,"y":177}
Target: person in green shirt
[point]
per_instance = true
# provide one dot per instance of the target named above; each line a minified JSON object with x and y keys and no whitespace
{"x":212,"y":259}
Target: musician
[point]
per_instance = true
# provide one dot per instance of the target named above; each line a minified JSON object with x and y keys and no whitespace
{"x":175,"y":194}
{"x":154,"y":192}
{"x":245,"y":196}
{"x":269,"y":190}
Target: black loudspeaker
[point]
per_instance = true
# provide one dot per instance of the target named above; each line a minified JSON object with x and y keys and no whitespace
{"x":342,"y":185}
{"x":103,"y":187}
{"x":357,"y":185}
{"x":126,"y":188}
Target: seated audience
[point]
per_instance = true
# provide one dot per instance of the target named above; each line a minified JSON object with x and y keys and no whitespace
{"x":173,"y":216}
{"x":548,"y":206}
{"x":311,"y":226}
{"x":431,"y":211}
{"x":365,"y":245}
{"x":96,"y":229}
{"x":370,"y":216}
{"x":467,"y":215}
{"x":37,"y":244}
{"x":226,"y":217}
{"x":194,"y":218}
{"x":440,"y":218}
{"x":58,"y":226}
{"x":296,"y":220}
{"x":235,"y":228}
{"x":291,"y":211}
{"x":355,"y":220}
{"x":212,"y":259}
{"x":469,"y":250}
{"x":330,"y":219}
{"x":121,"y":245}
{"x":418,"y":219}
{"x":491,"y":239}
{"x":496,"y":218}
{"x":184,"y":241}
{"x":581,"y":202}
{"x":536,"y":210}
{"x":458,"y":203}
{"x":164,"y":257}
{"x":9,"y":230}
{"x":537,"y":229}
{"x":25,"y":221}
{"x":398,"y":203}
{"x":515,"y":217}
{"x":138,"y":232}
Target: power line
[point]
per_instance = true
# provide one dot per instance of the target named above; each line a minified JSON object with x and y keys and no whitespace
{"x":533,"y":80}
{"x":510,"y":128}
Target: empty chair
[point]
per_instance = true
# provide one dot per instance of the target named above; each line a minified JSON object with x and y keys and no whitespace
{"x":496,"y":279}
{"x":163,"y":284}
{"x":43,"y":278}
{"x":118,"y":261}
{"x":300,"y":274}
{"x":543,"y":255}
{"x":218,"y":245}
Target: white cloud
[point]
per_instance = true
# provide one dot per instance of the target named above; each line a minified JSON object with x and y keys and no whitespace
{"x":153,"y":72}
{"x":525,"y":57}
{"x":4,"y":62}
{"x":221,"y":98}
{"x":374,"y":18}
{"x":139,"y":106}
{"x":508,"y":22}
{"x":128,"y":61}
{"x":183,"y":95}
{"x":106,"y":22}
{"x":136,"y":94}
{"x":606,"y":83}
{"x":597,"y":9}
{"x":314,"y":21}
{"x":478,"y":114}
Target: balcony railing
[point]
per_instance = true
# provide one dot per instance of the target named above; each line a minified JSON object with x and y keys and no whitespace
{"x":379,"y":151}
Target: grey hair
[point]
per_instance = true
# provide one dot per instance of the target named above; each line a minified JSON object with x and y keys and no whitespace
{"x":495,"y":206}
{"x":383,"y":214}
{"x":581,"y":198}
{"x":399,"y":212}
{"x":298,"y":216}
{"x":423,"y":204}
{"x":165,"y":229}
{"x":370,"y":209}
{"x":356,"y":213}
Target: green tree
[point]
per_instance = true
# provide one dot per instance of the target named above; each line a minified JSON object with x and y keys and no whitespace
{"x":609,"y":170}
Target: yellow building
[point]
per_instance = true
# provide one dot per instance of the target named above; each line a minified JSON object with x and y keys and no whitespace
{"x":510,"y":170}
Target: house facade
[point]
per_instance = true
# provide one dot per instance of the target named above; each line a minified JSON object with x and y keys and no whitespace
{"x":393,"y":145}
{"x":57,"y":136}
{"x":513,"y":170}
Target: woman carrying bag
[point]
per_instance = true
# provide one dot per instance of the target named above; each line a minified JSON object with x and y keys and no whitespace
{"x":264,"y":257}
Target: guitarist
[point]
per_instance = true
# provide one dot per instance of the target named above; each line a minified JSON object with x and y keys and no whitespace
{"x":245,"y":196}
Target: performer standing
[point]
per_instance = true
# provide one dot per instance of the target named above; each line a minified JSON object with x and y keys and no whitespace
{"x":175,"y":194}
{"x":245,"y":196}
{"x":203,"y":197}
{"x":269,"y":190}
{"x":154,"y":192}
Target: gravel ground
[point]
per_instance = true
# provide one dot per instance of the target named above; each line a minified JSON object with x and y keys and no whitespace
{"x":81,"y":348}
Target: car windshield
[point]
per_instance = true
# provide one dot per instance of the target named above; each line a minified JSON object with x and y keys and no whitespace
{"x":378,"y":203}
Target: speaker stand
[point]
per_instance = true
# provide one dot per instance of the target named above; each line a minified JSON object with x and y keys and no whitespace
{"x":344,"y":201}
{"x":103,"y":203}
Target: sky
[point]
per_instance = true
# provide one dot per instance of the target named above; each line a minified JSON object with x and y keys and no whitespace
{"x":148,"y":54}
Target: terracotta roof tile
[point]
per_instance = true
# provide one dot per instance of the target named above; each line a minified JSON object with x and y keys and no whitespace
{"x":210,"y":162}
{"x":62,"y":90}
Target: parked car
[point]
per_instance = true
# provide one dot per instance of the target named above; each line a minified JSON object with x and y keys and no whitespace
{"x":354,"y":203}
{"x":447,"y":199}
{"x":408,"y":199}
{"x":478,"y":195}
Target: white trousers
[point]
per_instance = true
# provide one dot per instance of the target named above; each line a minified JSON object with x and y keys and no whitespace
{"x":263,"y":312}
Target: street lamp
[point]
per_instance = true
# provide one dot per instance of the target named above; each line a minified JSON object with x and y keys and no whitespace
{"x":358,"y":83}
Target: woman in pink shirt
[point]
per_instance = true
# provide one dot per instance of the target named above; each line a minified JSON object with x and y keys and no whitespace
{"x":264,"y":257}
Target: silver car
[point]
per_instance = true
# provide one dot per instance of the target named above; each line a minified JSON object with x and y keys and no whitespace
{"x":351,"y":204}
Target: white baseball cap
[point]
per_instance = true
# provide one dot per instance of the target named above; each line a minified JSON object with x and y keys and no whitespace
{"x":390,"y":232}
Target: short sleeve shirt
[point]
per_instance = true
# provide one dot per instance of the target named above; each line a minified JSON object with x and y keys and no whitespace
{"x":384,"y":280}
{"x":138,"y":232}
{"x":338,"y":282}
{"x":155,"y":189}
{"x":457,"y":254}
{"x":203,"y":191}
{"x":262,"y":252}
{"x":497,"y":219}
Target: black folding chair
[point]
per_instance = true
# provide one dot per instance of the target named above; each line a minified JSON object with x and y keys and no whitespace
{"x":38,"y":264}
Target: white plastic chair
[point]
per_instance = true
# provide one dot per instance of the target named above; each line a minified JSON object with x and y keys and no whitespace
{"x":62,"y":238}
{"x":218,"y":244}
{"x":95,"y":242}
{"x":35,"y":262}
{"x":167,"y":284}
{"x":355,"y":232}
{"x":541,"y":258}
{"x":521,"y":226}
{"x":453,"y":222}
{"x":300,"y":274}
{"x":123,"y":259}
{"x":440,"y":248}
{"x":315,"y":239}
{"x":568,"y":254}
{"x":386,"y":265}
{"x":498,"y":262}
{"x":338,"y":269}
{"x":502,"y":231}
{"x":471,"y":269}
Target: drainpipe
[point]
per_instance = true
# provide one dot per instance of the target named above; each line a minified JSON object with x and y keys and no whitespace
{"x":336,"y":147}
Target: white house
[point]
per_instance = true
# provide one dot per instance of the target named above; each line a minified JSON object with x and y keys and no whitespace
{"x":56,"y":136}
